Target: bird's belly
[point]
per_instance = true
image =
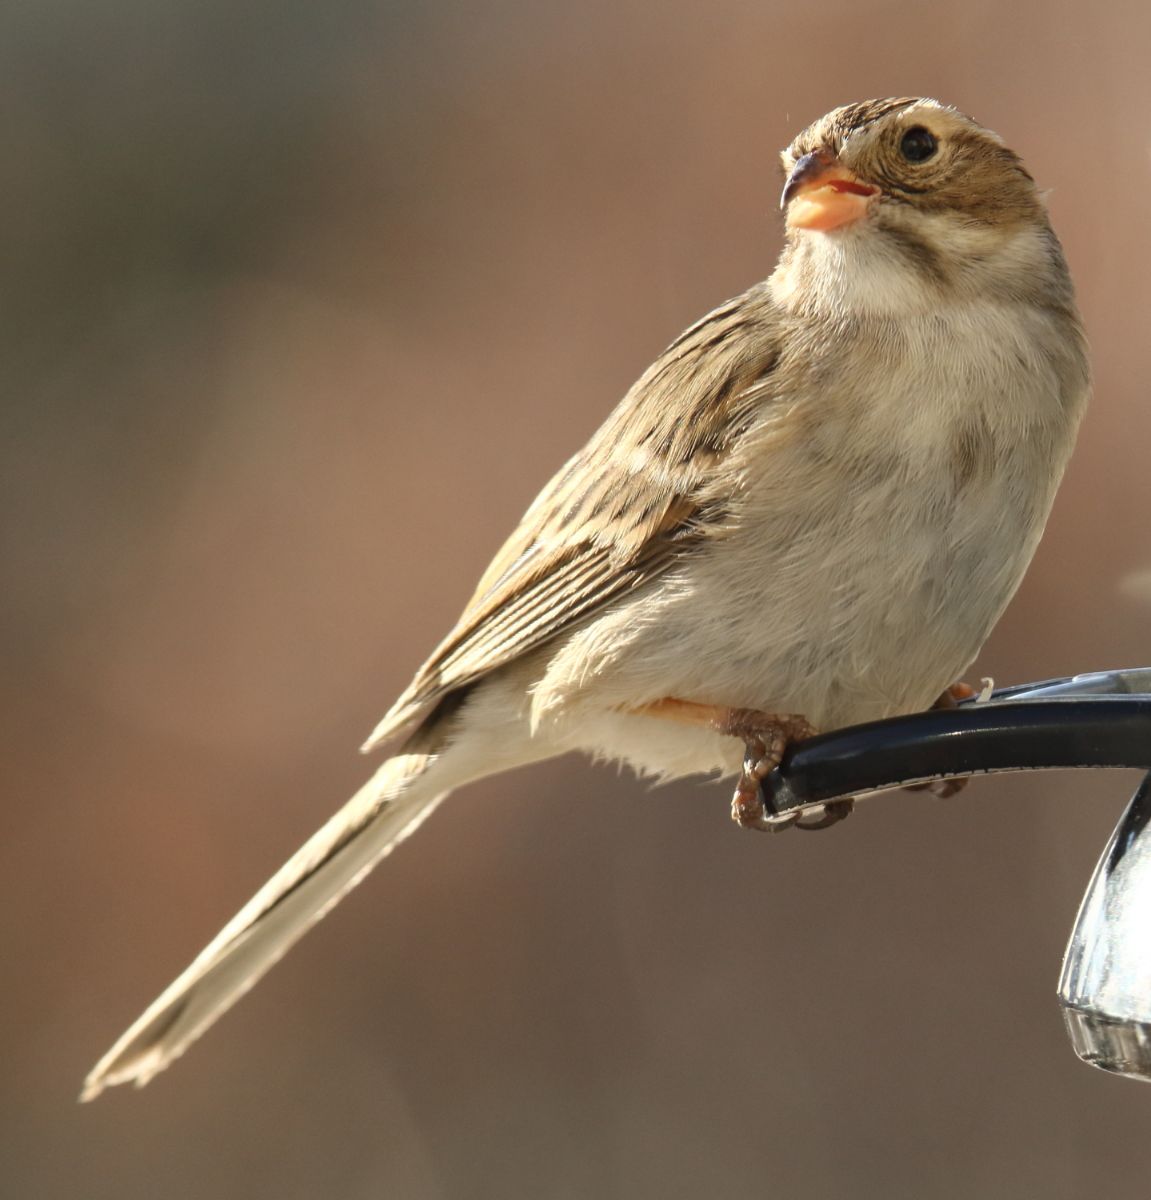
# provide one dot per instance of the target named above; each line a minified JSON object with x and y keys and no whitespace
{"x":874,"y":613}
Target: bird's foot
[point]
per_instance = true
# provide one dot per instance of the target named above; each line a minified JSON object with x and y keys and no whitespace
{"x":950,"y":697}
{"x":766,"y":736}
{"x":946,"y":788}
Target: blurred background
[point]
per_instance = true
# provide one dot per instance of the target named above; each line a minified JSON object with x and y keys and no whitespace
{"x":301,"y":305}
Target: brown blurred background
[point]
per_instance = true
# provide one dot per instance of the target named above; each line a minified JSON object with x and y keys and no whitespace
{"x":301,"y":304}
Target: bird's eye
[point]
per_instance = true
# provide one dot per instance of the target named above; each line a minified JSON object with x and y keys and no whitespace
{"x":918,"y":144}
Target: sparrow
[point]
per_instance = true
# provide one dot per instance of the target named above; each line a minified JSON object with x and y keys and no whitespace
{"x":808,"y":512}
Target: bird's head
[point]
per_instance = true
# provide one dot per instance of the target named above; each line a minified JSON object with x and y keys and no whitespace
{"x":918,"y":189}
{"x":883,"y":157}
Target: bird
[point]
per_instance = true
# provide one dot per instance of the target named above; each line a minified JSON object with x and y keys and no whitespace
{"x":808,"y":512}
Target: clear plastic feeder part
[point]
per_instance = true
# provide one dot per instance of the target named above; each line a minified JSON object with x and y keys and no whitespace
{"x":1105,"y":987}
{"x":1098,"y":720}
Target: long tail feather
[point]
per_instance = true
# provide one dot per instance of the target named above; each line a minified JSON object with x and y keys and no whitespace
{"x":382,"y":813}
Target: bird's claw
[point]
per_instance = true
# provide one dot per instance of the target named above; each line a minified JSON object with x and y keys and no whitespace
{"x":827,"y":815}
{"x":766,"y":739}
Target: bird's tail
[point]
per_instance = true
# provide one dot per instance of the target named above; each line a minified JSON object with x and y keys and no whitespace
{"x":382,"y":813}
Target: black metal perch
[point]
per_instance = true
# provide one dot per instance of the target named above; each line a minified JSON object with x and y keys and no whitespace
{"x":1097,"y":720}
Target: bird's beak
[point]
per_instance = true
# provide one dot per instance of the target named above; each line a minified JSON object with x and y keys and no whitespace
{"x":821,"y":194}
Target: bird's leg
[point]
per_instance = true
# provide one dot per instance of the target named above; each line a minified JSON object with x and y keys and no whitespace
{"x":946,"y":788}
{"x":765,"y":736}
{"x":950,"y":697}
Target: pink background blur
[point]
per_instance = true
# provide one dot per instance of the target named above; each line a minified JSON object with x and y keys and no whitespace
{"x":302,"y":303}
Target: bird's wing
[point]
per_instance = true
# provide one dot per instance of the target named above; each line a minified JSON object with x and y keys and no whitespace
{"x":622,"y":511}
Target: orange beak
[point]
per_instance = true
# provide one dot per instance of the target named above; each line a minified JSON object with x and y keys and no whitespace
{"x":821,"y":194}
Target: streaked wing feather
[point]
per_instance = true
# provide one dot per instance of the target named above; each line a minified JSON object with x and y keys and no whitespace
{"x":622,"y":511}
